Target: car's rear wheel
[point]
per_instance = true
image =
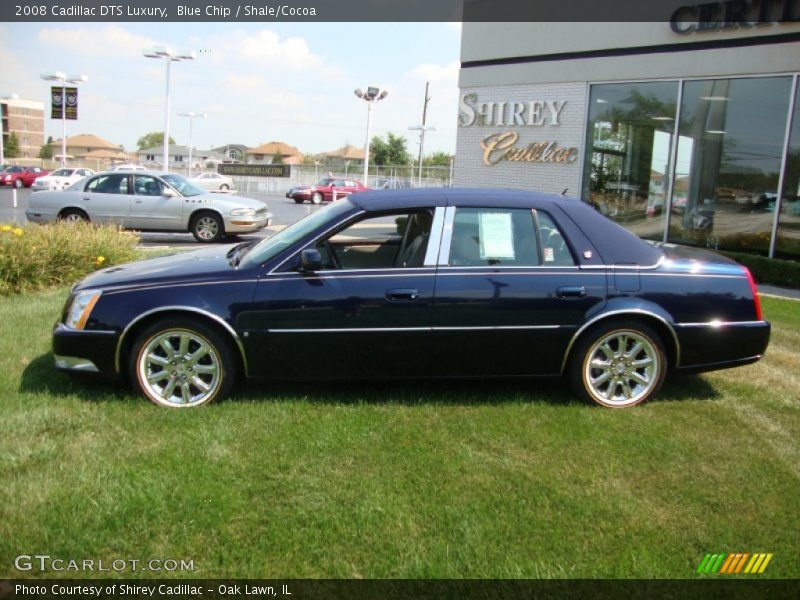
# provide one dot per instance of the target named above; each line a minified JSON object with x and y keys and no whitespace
{"x":182,"y":363}
{"x":618,"y":364}
{"x":316,"y":198}
{"x":73,"y":215}
{"x":18,"y":183}
{"x":225,"y":187}
{"x":207,"y":227}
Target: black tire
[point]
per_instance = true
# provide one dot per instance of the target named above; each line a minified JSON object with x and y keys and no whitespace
{"x":73,"y":215}
{"x":608,"y":382}
{"x":224,"y":187}
{"x":220,"y":356}
{"x":18,"y":183}
{"x":299,"y":200}
{"x":316,"y":198}
{"x":207,"y":227}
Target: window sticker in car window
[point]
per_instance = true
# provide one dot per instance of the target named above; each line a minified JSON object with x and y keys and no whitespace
{"x":496,"y":236}
{"x":548,"y":255}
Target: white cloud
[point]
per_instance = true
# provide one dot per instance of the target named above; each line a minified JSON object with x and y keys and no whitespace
{"x":436,"y":73}
{"x":106,"y":41}
{"x":266,"y":45}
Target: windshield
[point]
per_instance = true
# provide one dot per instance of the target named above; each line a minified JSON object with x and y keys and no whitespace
{"x":295,"y":232}
{"x":183,"y":185}
{"x":325,"y":181}
{"x":62,"y":173}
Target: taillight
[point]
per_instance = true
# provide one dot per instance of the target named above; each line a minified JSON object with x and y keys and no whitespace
{"x":754,"y":291}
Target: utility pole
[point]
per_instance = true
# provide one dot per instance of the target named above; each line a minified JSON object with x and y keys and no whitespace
{"x":422,"y":132}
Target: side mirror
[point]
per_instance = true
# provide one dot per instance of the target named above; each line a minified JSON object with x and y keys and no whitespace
{"x":310,"y":260}
{"x":168,"y":192}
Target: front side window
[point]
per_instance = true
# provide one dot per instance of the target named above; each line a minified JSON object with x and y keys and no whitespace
{"x":493,"y":237}
{"x":398,"y":240}
{"x":108,"y":184}
{"x":144,"y":185}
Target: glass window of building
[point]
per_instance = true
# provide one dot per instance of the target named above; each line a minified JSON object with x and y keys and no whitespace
{"x":787,"y":244}
{"x":629,"y":135}
{"x":728,"y":162}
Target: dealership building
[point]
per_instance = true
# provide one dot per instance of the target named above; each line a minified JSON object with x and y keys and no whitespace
{"x":685,"y":131}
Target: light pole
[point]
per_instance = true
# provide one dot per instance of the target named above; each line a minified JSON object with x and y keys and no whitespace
{"x":192,"y":116}
{"x":2,"y":128}
{"x":372,"y":94}
{"x":422,"y":129}
{"x":64,"y":79}
{"x":169,"y":55}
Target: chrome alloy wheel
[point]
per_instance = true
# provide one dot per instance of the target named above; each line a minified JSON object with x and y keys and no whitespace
{"x":179,"y":368}
{"x":207,"y":228}
{"x":621,"y":368}
{"x":72,"y":217}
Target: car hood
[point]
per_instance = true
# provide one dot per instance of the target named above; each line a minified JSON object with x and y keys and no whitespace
{"x":206,"y":264}
{"x":228,"y":201}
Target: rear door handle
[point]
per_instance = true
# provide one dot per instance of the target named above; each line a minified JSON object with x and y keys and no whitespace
{"x":86,"y":199}
{"x":571,"y":292}
{"x":402,"y":295}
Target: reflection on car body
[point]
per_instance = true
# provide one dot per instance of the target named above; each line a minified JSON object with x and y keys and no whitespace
{"x":420,"y":283}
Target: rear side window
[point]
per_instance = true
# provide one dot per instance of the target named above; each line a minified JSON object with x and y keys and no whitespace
{"x":555,"y":251}
{"x":494,"y":237}
{"x":108,"y":184}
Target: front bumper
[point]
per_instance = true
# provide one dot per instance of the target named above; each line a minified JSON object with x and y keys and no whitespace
{"x":247,"y":224}
{"x":37,"y":216}
{"x":84,"y":351}
{"x":299,"y":195}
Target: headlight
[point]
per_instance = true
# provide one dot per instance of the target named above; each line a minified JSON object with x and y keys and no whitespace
{"x":81,"y":308}
{"x":241,"y":212}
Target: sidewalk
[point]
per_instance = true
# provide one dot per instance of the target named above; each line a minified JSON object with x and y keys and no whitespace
{"x":779,"y":292}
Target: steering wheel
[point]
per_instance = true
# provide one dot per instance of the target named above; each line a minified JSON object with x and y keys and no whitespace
{"x":337,"y":264}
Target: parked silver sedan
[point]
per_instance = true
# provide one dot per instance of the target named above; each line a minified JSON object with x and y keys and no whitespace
{"x":150,"y":201}
{"x":213,"y":181}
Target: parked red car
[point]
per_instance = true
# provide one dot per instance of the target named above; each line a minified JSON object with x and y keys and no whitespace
{"x":324,"y":189}
{"x":19,"y":176}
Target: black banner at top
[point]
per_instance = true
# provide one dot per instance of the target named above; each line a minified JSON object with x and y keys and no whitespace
{"x":239,"y":170}
{"x":724,"y":12}
{"x":58,"y":103}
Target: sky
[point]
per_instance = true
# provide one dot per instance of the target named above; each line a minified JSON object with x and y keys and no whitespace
{"x":291,"y":82}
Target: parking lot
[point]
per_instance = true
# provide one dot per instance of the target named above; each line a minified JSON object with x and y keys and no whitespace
{"x":284,"y":210}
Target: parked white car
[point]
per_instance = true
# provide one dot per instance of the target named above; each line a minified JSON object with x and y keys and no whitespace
{"x":213,"y":181}
{"x":128,"y":167}
{"x":150,"y":201}
{"x":60,"y":179}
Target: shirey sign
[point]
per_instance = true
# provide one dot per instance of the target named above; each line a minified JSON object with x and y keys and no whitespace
{"x":504,"y":145}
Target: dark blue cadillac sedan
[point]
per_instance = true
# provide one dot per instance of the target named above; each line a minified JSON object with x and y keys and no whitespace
{"x":423,"y":283}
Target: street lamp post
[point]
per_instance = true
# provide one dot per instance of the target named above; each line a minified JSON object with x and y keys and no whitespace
{"x":64,"y":79}
{"x":169,"y":55}
{"x":2,"y":128}
{"x":373,"y":94}
{"x":192,"y":116}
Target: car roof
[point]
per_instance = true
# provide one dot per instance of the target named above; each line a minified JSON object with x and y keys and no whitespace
{"x":614,"y":243}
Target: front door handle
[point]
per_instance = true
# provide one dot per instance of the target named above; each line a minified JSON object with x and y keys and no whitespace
{"x":402,"y":295}
{"x":86,"y":199}
{"x":571,"y":292}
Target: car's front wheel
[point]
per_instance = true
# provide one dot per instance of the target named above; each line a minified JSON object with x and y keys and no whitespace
{"x":619,"y":364}
{"x":316,"y":198}
{"x":299,"y":200}
{"x":73,"y":215}
{"x":224,"y":187}
{"x":207,"y":227}
{"x":182,"y":363}
{"x":18,"y":183}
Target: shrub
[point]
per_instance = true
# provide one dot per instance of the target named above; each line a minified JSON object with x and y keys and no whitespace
{"x":33,"y":256}
{"x":785,"y":273}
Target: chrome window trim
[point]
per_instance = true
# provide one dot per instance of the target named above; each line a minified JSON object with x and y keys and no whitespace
{"x":447,"y":236}
{"x":212,"y":316}
{"x":633,"y":311}
{"x":435,"y":238}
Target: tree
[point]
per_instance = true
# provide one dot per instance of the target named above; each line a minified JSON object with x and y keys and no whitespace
{"x":46,"y":151}
{"x":152,"y":139}
{"x":391,"y":151}
{"x":12,"y":146}
{"x":437,"y":159}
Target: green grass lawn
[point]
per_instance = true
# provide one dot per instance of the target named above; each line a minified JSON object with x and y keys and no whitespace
{"x":399,"y":480}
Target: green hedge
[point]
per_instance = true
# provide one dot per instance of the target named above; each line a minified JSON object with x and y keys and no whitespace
{"x":34,"y":257}
{"x":785,"y":273}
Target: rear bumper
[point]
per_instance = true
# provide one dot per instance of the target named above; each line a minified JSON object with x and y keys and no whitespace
{"x":84,"y":351}
{"x":719,"y":345}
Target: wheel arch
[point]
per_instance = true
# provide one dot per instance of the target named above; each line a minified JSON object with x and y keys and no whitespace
{"x":659,"y":323}
{"x":73,"y":208}
{"x":204,"y":209}
{"x":137,"y":325}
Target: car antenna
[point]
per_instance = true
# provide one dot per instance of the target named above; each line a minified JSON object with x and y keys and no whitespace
{"x":564,"y":192}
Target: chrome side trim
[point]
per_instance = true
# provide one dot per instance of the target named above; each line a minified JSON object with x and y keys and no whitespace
{"x":435,"y":239}
{"x":631,"y":311}
{"x":221,"y":321}
{"x":412,"y":329}
{"x":630,"y":267}
{"x":138,"y":288}
{"x":447,"y":236}
{"x":719,"y":324}
{"x":73,"y":363}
